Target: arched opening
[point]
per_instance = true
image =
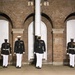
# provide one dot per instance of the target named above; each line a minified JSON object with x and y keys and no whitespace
{"x":6,"y":26}
{"x":69,"y":33}
{"x":3,"y":16}
{"x":31,"y":40}
{"x":4,"y":31}
{"x":48,"y":25}
{"x":70,"y":27}
{"x":6,"y":18}
{"x":70,"y":30}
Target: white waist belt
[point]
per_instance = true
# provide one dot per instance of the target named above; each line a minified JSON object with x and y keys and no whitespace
{"x":72,"y":48}
{"x":6,"y":49}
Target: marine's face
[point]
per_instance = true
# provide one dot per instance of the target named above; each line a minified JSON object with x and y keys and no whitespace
{"x":5,"y":40}
{"x":72,"y":40}
{"x":18,"y":38}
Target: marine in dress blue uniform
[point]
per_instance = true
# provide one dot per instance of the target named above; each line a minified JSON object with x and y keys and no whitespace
{"x":39,"y":50}
{"x":71,"y":52}
{"x":19,"y":49}
{"x":5,"y":51}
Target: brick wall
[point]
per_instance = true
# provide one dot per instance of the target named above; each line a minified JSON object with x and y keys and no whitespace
{"x":57,"y":11}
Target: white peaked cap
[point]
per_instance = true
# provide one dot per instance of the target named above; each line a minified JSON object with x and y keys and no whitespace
{"x":18,"y":36}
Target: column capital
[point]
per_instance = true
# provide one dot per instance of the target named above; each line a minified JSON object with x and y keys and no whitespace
{"x":17,"y":30}
{"x":57,"y":30}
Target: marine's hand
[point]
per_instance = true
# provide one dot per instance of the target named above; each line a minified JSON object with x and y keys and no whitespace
{"x":23,"y":52}
{"x":67,"y":53}
{"x":10,"y":54}
{"x":34,"y":52}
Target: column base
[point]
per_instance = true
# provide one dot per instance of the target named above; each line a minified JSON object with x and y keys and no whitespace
{"x":57,"y":63}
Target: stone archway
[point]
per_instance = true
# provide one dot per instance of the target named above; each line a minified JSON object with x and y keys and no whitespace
{"x":31,"y":40}
{"x":68,"y":21}
{"x":48,"y":22}
{"x":70,"y":30}
{"x":4,"y":31}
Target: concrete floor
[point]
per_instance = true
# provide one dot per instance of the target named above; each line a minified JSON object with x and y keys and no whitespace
{"x":31,"y":70}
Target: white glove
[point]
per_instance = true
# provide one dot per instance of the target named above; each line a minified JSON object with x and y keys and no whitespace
{"x":23,"y":52}
{"x":10,"y":54}
{"x":34,"y":52}
{"x":44,"y":52}
{"x":67,"y":53}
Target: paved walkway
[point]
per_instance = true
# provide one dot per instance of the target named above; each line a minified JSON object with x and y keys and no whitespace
{"x":31,"y":70}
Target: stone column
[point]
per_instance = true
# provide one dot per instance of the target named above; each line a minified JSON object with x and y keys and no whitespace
{"x":17,"y":32}
{"x":37,"y":18}
{"x":58,"y":46}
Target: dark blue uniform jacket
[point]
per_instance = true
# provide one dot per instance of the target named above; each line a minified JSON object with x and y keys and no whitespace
{"x":19,"y":47}
{"x":39,"y":46}
{"x":69,"y":48}
{"x":5,"y":49}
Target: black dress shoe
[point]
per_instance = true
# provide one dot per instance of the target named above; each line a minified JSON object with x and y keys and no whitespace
{"x":39,"y":67}
{"x":6,"y":66}
{"x":3,"y":66}
{"x":17,"y":66}
{"x":71,"y":67}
